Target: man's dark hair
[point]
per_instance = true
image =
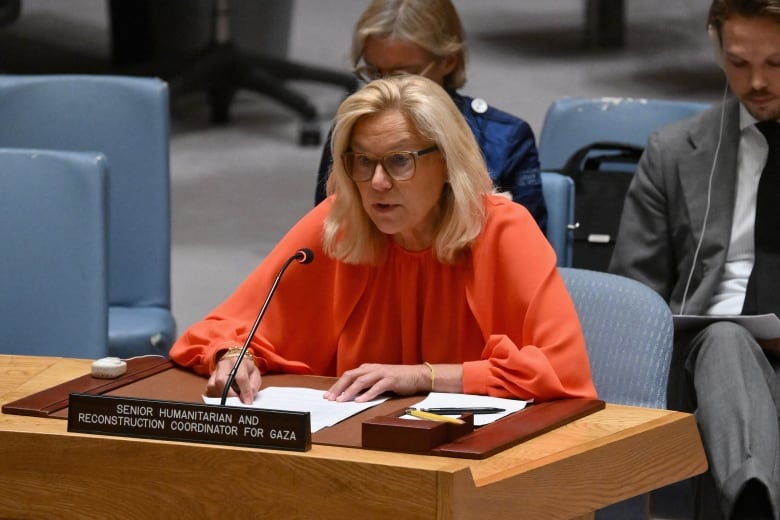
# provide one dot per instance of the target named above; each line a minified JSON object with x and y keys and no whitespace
{"x":722,"y":10}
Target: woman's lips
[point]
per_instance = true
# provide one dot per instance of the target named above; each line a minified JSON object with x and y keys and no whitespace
{"x":383,"y":206}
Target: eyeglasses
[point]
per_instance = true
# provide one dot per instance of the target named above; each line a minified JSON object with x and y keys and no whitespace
{"x":400,"y":166}
{"x":368,"y":73}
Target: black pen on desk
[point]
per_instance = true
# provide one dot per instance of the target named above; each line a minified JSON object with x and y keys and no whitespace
{"x":452,"y":411}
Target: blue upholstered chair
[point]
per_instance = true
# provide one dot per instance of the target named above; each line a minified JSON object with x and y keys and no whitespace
{"x":629,"y":332}
{"x":573,"y":122}
{"x":628,"y":329}
{"x":126,"y":119}
{"x":558,"y":193}
{"x":53,"y":265}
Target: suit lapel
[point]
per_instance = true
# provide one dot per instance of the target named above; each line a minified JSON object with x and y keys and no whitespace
{"x":695,"y":170}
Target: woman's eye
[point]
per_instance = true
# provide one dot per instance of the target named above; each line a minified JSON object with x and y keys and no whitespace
{"x":399,"y":160}
{"x":363,"y":161}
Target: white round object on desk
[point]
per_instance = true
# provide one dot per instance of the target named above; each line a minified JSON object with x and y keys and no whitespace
{"x":108,"y":368}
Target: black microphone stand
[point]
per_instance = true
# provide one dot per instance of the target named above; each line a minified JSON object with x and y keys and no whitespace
{"x":303,"y":256}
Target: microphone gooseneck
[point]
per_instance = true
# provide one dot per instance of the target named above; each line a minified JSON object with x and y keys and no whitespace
{"x":303,"y":256}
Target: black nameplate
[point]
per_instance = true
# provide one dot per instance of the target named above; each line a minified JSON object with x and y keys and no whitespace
{"x":191,"y":422}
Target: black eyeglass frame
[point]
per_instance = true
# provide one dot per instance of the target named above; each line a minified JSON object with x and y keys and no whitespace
{"x":347,"y":157}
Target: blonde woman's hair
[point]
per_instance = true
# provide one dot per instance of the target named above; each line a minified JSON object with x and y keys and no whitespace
{"x":349,"y":233}
{"x":434,"y":25}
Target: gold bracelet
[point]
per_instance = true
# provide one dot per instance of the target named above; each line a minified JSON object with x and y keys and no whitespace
{"x":234,"y":352}
{"x":433,"y":373}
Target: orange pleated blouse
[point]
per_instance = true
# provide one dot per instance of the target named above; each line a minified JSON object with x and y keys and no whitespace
{"x":502,"y":311}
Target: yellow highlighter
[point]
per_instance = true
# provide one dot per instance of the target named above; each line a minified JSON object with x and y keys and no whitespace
{"x":433,"y":417}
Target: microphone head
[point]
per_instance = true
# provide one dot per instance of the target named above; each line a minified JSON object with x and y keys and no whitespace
{"x":304,"y":255}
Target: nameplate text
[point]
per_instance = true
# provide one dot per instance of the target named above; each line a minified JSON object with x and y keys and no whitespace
{"x":190,"y":422}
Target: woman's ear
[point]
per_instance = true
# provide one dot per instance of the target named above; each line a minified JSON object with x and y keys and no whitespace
{"x":448,"y":64}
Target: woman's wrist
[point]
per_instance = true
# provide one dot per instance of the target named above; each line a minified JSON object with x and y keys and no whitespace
{"x":229,"y":351}
{"x":446,"y":377}
{"x":431,"y":374}
{"x":234,"y":352}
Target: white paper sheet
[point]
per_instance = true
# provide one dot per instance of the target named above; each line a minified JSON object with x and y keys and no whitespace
{"x":445,"y":400}
{"x":324,"y":413}
{"x":762,"y":326}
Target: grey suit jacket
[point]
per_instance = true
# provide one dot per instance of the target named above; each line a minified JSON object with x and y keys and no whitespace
{"x":666,"y":206}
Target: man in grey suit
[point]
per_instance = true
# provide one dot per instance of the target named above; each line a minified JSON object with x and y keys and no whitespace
{"x":687,"y":231}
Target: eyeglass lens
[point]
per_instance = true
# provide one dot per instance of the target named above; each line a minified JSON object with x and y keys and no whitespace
{"x":368,"y":73}
{"x":398,"y":165}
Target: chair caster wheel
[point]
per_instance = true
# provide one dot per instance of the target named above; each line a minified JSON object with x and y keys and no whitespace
{"x":310,"y":135}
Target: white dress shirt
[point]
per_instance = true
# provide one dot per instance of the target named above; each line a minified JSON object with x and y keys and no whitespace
{"x":729,"y":296}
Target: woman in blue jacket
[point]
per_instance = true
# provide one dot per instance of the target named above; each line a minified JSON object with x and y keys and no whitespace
{"x":426,"y":37}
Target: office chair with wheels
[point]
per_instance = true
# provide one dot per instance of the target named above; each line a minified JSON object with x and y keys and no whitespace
{"x":126,"y":119}
{"x":558,"y":191}
{"x":221,"y":69}
{"x":628,"y":332}
{"x":53,"y":268}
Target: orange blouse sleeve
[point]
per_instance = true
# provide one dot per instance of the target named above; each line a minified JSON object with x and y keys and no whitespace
{"x":534,"y":343}
{"x":303,"y":290}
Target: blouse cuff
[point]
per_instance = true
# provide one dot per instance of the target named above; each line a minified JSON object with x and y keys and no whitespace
{"x":475,"y":377}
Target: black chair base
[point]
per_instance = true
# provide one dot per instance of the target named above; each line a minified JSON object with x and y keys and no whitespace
{"x":219,"y":70}
{"x":222,"y":70}
{"x":9,"y":11}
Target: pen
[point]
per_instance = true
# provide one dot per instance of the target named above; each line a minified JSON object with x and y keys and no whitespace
{"x":432,"y":416}
{"x":453,"y":411}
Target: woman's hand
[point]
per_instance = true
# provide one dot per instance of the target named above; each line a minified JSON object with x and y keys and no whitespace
{"x":370,"y":380}
{"x":247,"y":380}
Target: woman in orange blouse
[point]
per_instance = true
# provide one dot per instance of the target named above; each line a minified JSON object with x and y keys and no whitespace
{"x":422,"y":279}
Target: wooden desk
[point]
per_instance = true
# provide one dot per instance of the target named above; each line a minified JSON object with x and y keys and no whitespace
{"x":608,"y":456}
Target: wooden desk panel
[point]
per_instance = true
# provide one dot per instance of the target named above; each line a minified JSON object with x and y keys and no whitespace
{"x":605,"y":457}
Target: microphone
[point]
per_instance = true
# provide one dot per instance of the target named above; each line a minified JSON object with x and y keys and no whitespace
{"x":303,"y":256}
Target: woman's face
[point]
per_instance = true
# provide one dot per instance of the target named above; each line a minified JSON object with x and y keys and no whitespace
{"x":407,"y":210}
{"x":389,"y":55}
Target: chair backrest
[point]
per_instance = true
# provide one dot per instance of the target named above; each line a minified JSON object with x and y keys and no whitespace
{"x":126,"y":119}
{"x":573,"y":122}
{"x":53,"y":265}
{"x":628,"y":331}
{"x":558,"y":193}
